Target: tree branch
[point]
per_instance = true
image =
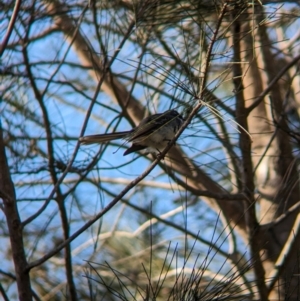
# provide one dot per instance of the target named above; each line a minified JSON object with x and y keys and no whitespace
{"x":14,"y":226}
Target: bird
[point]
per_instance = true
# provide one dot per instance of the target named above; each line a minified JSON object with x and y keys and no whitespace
{"x":152,"y":135}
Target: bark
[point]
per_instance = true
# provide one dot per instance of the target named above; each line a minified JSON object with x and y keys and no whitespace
{"x":274,"y":165}
{"x":255,"y":237}
{"x":7,"y":193}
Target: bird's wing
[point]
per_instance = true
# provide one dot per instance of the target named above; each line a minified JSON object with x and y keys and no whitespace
{"x":145,"y":127}
{"x":101,"y":138}
{"x":151,"y":124}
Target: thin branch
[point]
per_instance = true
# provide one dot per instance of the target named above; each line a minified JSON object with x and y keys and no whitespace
{"x":69,"y":165}
{"x":209,"y":52}
{"x":255,"y":240}
{"x":290,"y":246}
{"x":283,"y":216}
{"x":14,"y":226}
{"x":272,"y":83}
{"x":10,"y":26}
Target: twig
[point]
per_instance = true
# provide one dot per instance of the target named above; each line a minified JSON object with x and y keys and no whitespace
{"x":271,"y":84}
{"x":10,"y":26}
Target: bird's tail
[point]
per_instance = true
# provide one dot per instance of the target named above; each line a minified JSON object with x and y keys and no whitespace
{"x":103,"y":137}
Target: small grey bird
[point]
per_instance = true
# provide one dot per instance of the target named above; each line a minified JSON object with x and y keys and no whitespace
{"x":152,"y":135}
